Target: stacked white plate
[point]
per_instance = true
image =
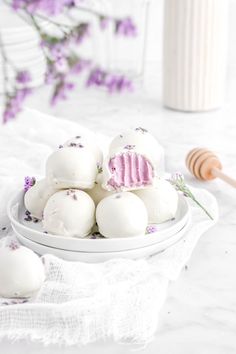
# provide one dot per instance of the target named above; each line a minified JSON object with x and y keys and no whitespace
{"x":21,"y":46}
{"x":88,"y":249}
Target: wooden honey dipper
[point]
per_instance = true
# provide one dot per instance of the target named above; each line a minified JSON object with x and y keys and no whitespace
{"x":205,"y":165}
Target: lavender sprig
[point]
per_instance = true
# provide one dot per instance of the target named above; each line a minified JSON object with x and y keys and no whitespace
{"x":62,"y":62}
{"x":13,"y":245}
{"x":29,"y":182}
{"x":99,"y":168}
{"x":151,"y":228}
{"x":177,"y":180}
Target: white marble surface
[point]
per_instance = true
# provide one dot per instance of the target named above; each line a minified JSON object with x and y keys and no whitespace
{"x":199,"y":315}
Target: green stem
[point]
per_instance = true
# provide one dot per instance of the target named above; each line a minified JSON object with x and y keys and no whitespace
{"x":55,"y":23}
{"x":202,"y":207}
{"x":38,"y":29}
{"x":182,"y":187}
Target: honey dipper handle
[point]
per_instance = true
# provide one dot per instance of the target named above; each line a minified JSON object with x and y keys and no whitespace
{"x":217,"y":173}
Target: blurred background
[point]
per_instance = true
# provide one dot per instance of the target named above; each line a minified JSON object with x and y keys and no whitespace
{"x":141,"y":57}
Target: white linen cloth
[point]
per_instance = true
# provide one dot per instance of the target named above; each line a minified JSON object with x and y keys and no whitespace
{"x":80,"y":303}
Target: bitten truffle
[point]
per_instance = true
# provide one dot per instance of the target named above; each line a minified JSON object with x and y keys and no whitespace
{"x":135,"y":158}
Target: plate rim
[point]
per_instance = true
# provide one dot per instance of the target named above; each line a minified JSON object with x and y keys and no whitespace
{"x":116,"y":254}
{"x":159,"y":243}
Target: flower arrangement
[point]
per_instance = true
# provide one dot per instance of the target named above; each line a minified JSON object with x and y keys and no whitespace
{"x":61,"y":60}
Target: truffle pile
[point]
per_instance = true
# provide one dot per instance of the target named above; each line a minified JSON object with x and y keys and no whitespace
{"x":119,"y":194}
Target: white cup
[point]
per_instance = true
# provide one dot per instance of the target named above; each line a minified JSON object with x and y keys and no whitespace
{"x":195,"y":47}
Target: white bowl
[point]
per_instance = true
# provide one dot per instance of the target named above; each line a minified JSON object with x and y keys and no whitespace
{"x":96,"y":257}
{"x":34,"y":232}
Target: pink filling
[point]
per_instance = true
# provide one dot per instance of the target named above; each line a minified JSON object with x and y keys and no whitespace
{"x":130,"y":170}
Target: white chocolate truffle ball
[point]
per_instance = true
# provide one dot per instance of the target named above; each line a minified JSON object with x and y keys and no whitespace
{"x":98,"y":193}
{"x":135,"y":158}
{"x":71,"y":168}
{"x":140,"y":138}
{"x":21,"y":271}
{"x":161,"y":201}
{"x":37,"y":196}
{"x":121,"y":215}
{"x":88,"y":143}
{"x":69,"y":213}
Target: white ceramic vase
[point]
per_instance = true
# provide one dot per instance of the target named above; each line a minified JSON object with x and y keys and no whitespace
{"x":21,"y":46}
{"x":195,"y":47}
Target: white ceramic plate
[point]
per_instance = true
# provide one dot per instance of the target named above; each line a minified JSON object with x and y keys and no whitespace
{"x":96,"y":257}
{"x":34,"y":232}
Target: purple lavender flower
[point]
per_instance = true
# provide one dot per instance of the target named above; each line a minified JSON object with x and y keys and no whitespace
{"x":177,"y":177}
{"x":104,"y":22}
{"x":23,"y":77}
{"x":61,"y":62}
{"x":151,"y":228}
{"x":13,"y":245}
{"x":28,"y":218}
{"x":49,"y":76}
{"x":48,"y":7}
{"x":129,"y":147}
{"x":72,"y":193}
{"x":57,"y":69}
{"x":61,"y":90}
{"x":96,"y":77}
{"x":117,"y":83}
{"x":59,"y":49}
{"x":18,"y":4}
{"x":80,"y":66}
{"x":29,"y":182}
{"x":14,"y":104}
{"x":126,"y":27}
{"x":95,"y":235}
{"x":14,"y":302}
{"x":80,"y":32}
{"x":61,"y":65}
{"x":60,"y":69}
{"x":142,"y":130}
{"x":112,"y":83}
{"x":99,"y":167}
